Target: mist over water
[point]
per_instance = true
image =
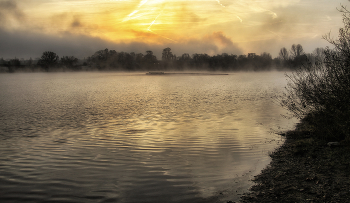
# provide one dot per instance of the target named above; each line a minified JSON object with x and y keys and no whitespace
{"x":131,"y":137}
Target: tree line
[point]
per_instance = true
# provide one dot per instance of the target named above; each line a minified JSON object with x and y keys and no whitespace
{"x":123,"y":61}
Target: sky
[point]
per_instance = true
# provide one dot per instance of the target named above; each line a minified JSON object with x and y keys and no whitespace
{"x":82,"y":27}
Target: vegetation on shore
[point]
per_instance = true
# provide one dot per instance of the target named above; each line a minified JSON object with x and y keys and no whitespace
{"x":313,"y":165}
{"x":320,"y":92}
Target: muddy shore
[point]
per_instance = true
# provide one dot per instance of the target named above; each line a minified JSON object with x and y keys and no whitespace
{"x":304,"y":169}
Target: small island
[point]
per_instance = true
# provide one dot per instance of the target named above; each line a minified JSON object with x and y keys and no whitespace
{"x":155,"y":73}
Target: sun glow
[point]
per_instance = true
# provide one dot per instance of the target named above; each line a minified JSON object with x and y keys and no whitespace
{"x":120,"y":20}
{"x":241,"y":22}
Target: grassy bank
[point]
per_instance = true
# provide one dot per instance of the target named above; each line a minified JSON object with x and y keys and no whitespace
{"x":304,"y":169}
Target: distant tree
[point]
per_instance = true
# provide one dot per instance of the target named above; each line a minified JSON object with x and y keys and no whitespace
{"x":69,"y":62}
{"x":251,"y":55}
{"x":139,"y":61}
{"x":150,"y":60}
{"x":30,"y":62}
{"x":319,"y":55}
{"x":265,"y":61}
{"x":277,"y":63}
{"x":48,"y":59}
{"x":185,"y":57}
{"x":101,"y":55}
{"x":167,"y":58}
{"x":99,"y":58}
{"x":131,"y":61}
{"x":215,"y":62}
{"x":110,"y":59}
{"x":220,"y":62}
{"x":150,"y":57}
{"x":133,"y":55}
{"x":125,"y":60}
{"x":266,"y":56}
{"x":13,"y":64}
{"x":298,"y":56}
{"x":111,"y":53}
{"x":183,"y":60}
{"x":296,"y":50}
{"x":233,"y":62}
{"x":167,"y":55}
{"x":200,"y":61}
{"x":242,"y":61}
{"x":283,"y":54}
{"x":225,"y":61}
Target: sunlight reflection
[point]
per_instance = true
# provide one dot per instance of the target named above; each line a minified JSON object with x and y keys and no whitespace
{"x":176,"y":136}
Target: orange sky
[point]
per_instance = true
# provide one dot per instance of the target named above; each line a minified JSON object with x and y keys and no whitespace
{"x":210,"y":26}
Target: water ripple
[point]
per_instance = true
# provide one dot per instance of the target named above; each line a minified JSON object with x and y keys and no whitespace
{"x":131,"y":138}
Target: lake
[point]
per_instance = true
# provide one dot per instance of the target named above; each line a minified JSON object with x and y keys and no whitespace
{"x":132,"y":137}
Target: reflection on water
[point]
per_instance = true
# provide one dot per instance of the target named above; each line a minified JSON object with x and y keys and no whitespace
{"x":114,"y":137}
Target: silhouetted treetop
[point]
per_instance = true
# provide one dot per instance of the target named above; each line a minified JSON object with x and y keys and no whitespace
{"x":48,"y":59}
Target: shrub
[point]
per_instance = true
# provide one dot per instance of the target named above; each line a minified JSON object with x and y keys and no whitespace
{"x":320,"y":92}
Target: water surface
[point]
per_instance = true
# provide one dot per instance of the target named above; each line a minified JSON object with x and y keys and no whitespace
{"x":131,"y":137}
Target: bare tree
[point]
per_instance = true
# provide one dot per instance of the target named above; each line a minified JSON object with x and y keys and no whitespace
{"x":284,"y":54}
{"x":296,"y":50}
{"x":167,"y":55}
{"x":48,"y":59}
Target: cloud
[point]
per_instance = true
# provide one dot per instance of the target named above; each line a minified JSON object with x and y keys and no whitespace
{"x":27,"y":44}
{"x":10,"y":13}
{"x":212,"y":44}
{"x":187,"y":16}
{"x":304,"y":23}
{"x":223,"y":40}
{"x":31,"y":44}
{"x":143,"y":33}
{"x":80,"y":28}
{"x":76,"y":22}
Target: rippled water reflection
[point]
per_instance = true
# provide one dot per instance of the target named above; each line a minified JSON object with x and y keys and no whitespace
{"x":125,"y":137}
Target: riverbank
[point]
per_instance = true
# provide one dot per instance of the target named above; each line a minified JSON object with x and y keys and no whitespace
{"x":304,"y":169}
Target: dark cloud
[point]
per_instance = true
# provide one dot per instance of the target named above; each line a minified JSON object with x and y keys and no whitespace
{"x":76,"y":23}
{"x":10,"y":11}
{"x":8,"y":5}
{"x":31,"y":44}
